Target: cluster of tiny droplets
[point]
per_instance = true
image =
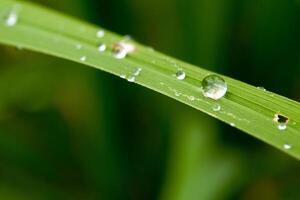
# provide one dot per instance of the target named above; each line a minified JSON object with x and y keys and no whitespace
{"x":133,"y":75}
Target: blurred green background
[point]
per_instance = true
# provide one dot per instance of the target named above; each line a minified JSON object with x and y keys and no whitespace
{"x":68,"y":131}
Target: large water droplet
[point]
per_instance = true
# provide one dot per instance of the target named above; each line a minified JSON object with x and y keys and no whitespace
{"x":180,"y":74}
{"x":11,"y":19}
{"x":100,"y":34}
{"x":287,"y":146}
{"x":214,"y":87}
{"x":102,"y":47}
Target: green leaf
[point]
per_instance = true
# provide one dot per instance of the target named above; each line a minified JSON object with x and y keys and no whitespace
{"x":248,"y":108}
{"x":187,"y":177}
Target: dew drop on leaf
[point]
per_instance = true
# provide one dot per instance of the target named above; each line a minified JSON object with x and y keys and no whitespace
{"x":123,"y":75}
{"x":78,"y":46}
{"x":177,"y":94}
{"x":281,"y":120}
{"x":11,"y":19}
{"x":137,"y":71}
{"x":287,"y":146}
{"x":127,"y":38}
{"x":281,"y":126}
{"x":100,"y":34}
{"x":120,"y":54}
{"x":131,"y":78}
{"x":121,"y":49}
{"x":261,"y":88}
{"x":180,"y":74}
{"x":83,"y":58}
{"x":214,"y":87}
{"x":101,"y":47}
{"x":216,"y":107}
{"x":192,"y":98}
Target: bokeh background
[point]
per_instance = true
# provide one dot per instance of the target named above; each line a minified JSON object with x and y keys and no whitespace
{"x":68,"y":131}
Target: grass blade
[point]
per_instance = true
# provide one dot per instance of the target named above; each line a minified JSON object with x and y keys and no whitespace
{"x":246,"y":107}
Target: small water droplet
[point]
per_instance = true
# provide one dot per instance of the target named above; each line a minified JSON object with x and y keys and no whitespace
{"x":83,"y":58}
{"x":177,"y":94}
{"x":137,"y":71}
{"x":214,"y":87}
{"x":131,"y":78}
{"x":261,"y":88}
{"x":123,"y":75}
{"x":232,"y":124}
{"x":216,"y":107}
{"x":11,"y":19}
{"x":287,"y":146}
{"x":127,"y":38}
{"x":100,"y":34}
{"x":281,"y":126}
{"x":281,"y":120}
{"x":192,"y":98}
{"x":78,"y":46}
{"x":19,"y":47}
{"x":180,"y":74}
{"x":102,"y":47}
{"x":120,"y":54}
{"x":121,"y":49}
